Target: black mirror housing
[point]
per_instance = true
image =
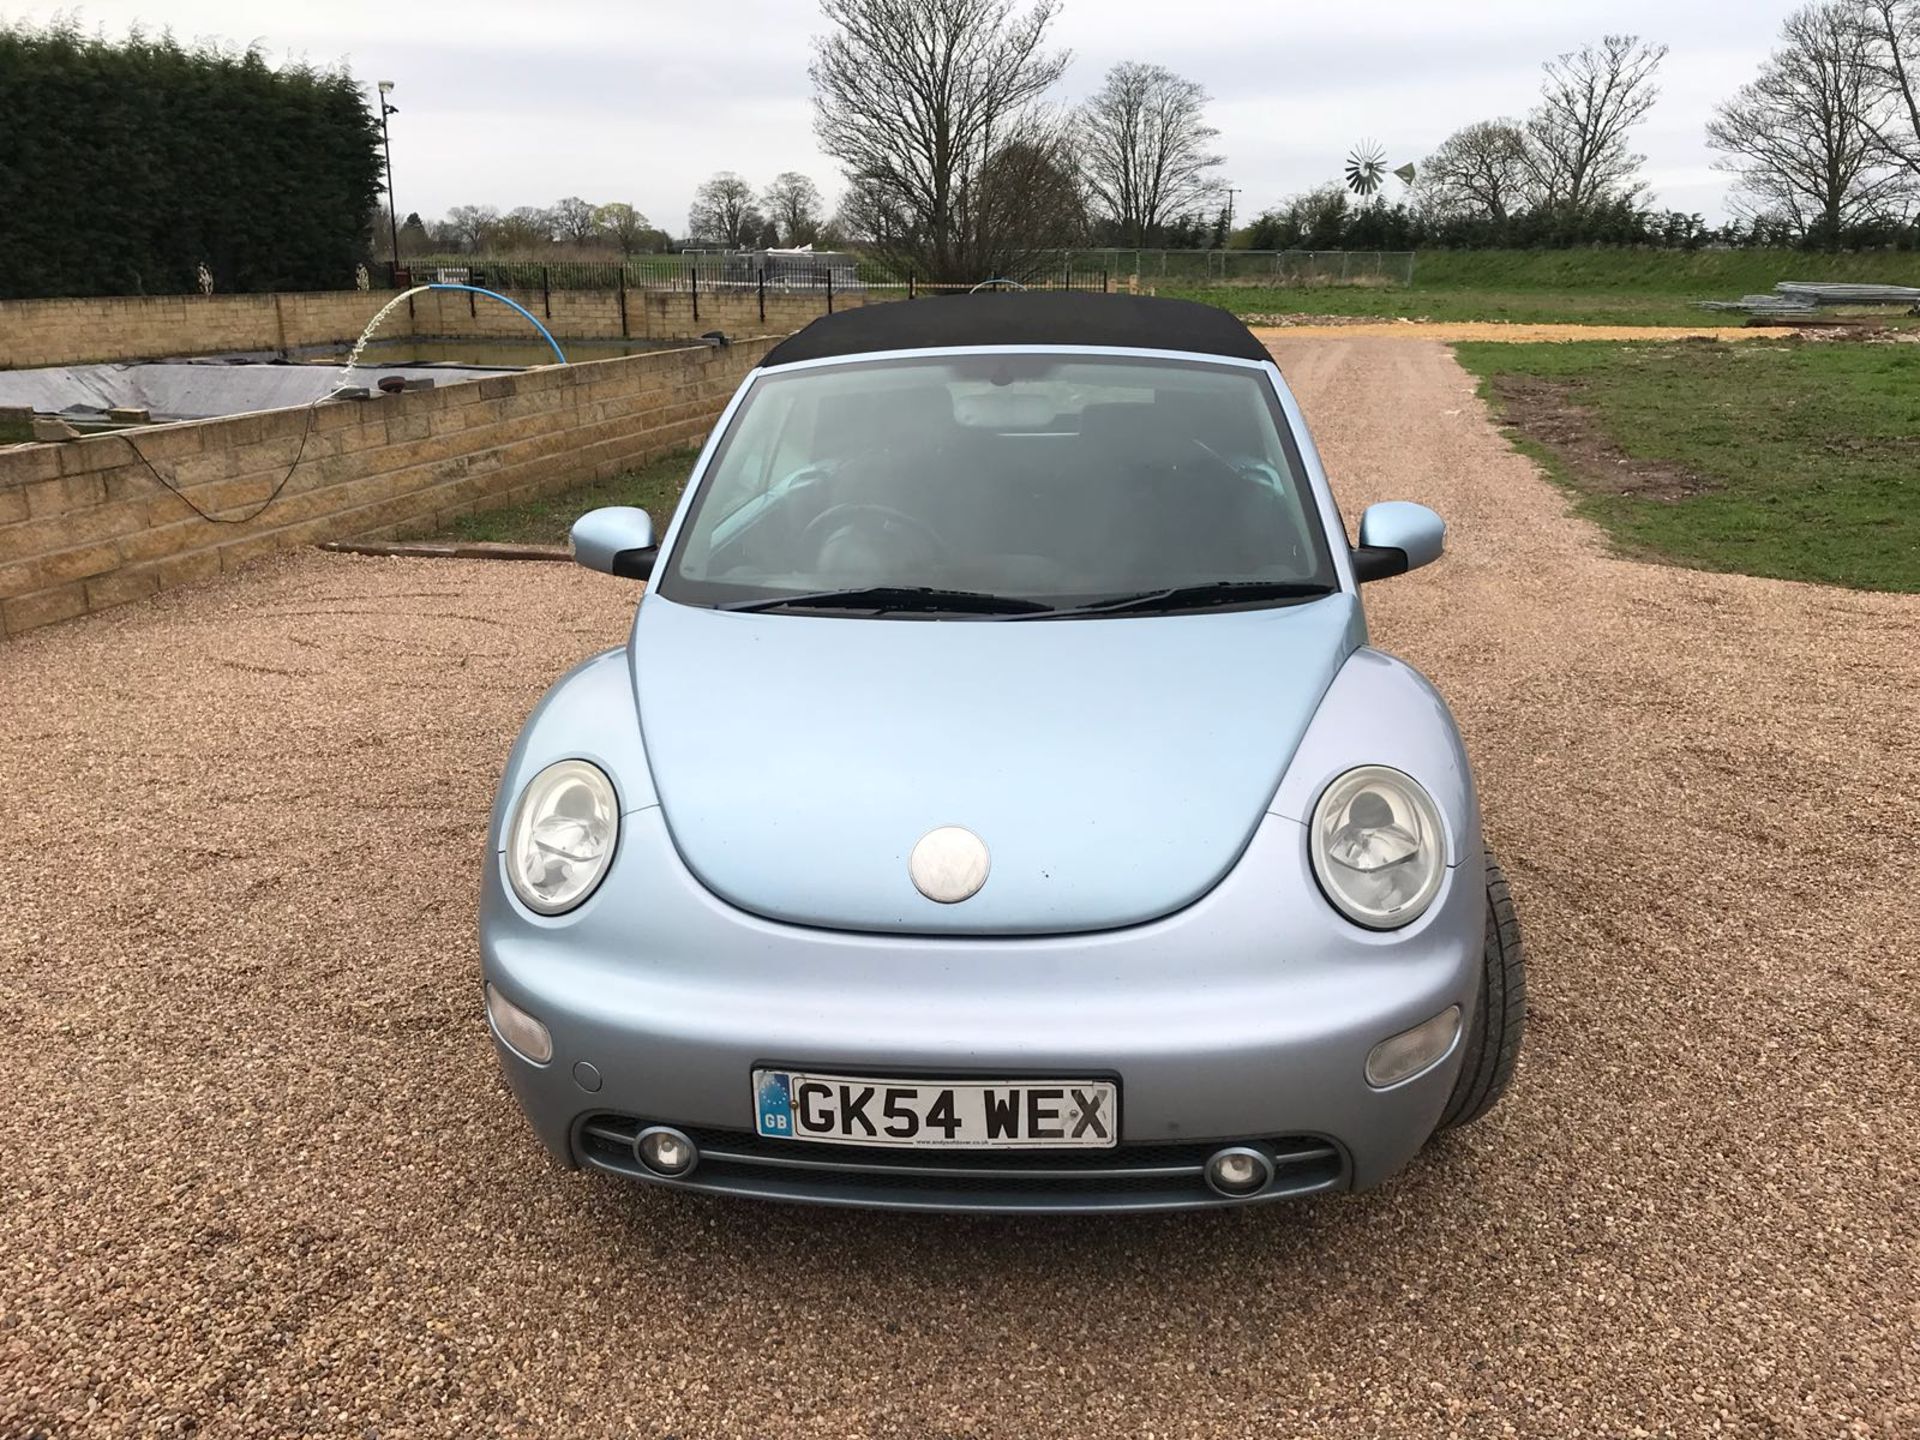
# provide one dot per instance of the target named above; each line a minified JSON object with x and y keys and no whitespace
{"x":1378,"y":562}
{"x":634,"y":564}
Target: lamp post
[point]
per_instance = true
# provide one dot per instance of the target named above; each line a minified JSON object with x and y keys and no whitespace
{"x":1226,"y":238}
{"x":393,"y":211}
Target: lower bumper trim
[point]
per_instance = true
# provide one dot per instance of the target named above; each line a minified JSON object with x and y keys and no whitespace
{"x":1127,"y":1178}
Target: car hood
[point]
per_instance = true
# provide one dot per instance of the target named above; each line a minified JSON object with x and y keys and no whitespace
{"x":1115,"y":768}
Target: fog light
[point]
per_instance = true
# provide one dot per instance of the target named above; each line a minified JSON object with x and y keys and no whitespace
{"x":665,"y":1151}
{"x":518,"y":1030}
{"x":1401,"y":1057}
{"x":1239,"y":1171}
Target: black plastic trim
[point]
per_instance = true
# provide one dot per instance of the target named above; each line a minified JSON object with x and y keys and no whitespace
{"x":1132,"y":1177}
{"x":1378,"y":562}
{"x":636,"y":564}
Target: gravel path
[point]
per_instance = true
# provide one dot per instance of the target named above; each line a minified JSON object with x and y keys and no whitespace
{"x":261,"y":1177}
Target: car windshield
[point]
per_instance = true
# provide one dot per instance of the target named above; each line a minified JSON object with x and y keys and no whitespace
{"x":996,"y":485}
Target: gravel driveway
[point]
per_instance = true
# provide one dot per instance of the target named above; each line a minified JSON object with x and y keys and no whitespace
{"x":261,"y":1176}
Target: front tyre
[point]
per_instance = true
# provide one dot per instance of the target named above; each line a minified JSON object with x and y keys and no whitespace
{"x":1500,"y":1019}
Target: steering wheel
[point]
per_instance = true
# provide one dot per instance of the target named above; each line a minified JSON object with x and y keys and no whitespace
{"x":858,"y":513}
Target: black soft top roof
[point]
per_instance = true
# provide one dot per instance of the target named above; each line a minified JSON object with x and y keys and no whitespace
{"x":1022,"y":318}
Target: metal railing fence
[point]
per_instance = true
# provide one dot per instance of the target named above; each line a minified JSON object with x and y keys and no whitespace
{"x":539,"y":282}
{"x":1282,"y":267}
{"x":699,"y":270}
{"x":844,"y":272}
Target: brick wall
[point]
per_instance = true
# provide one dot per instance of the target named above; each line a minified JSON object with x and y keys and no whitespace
{"x":73,"y":332}
{"x":84,"y":525}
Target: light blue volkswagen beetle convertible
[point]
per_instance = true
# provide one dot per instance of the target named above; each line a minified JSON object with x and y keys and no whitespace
{"x":997,"y":805}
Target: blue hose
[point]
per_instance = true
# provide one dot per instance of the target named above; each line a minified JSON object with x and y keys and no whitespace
{"x":496,"y":295}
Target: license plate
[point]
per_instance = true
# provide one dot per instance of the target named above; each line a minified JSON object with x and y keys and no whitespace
{"x":937,"y":1114}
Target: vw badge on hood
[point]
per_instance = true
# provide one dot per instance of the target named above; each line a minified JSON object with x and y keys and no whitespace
{"x":949,"y":864}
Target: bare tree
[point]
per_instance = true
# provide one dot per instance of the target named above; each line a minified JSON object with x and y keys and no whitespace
{"x":1803,"y":136}
{"x":1577,"y":135}
{"x":471,"y":227}
{"x":793,"y":206}
{"x":1892,"y":56}
{"x":1144,"y":148}
{"x":524,"y":228}
{"x":1027,"y":206}
{"x":1017,"y":215}
{"x":1482,"y":170}
{"x":916,"y":99}
{"x":723,"y":212}
{"x":631,"y":231}
{"x":576,"y":221}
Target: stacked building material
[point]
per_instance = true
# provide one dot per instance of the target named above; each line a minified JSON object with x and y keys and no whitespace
{"x":1824,"y":292}
{"x":1760,"y":305}
{"x":1797,"y":301}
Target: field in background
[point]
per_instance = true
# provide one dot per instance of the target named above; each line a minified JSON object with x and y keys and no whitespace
{"x":1618,"y":287}
{"x":1790,"y":460}
{"x":1579,"y":287}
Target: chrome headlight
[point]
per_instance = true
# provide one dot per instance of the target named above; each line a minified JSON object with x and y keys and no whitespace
{"x":1378,"y":849}
{"x":560,"y":840}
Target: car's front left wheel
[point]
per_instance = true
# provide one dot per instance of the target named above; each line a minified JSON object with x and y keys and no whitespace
{"x":1492,"y":1043}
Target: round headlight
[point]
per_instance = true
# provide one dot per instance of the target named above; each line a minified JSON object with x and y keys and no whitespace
{"x":560,"y":840}
{"x":1378,"y":849}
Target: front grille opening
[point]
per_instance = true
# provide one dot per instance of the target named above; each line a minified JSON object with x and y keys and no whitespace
{"x":1143,"y":1177}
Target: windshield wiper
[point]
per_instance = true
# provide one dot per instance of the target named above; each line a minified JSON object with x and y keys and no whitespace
{"x":882,"y":598}
{"x":1198,"y":597}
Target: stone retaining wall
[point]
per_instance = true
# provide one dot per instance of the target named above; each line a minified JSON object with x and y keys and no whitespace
{"x":85,"y":525}
{"x":82,"y":331}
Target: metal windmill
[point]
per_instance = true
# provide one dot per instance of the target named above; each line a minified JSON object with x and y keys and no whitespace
{"x":1367,"y":169}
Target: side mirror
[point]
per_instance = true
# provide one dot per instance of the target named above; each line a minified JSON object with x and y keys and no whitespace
{"x":1397,"y":536}
{"x":616,"y":540}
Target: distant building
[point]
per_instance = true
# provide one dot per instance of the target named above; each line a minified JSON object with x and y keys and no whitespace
{"x":803,"y":269}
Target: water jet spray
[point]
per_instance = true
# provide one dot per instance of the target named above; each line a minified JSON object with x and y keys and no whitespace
{"x":353,"y":355}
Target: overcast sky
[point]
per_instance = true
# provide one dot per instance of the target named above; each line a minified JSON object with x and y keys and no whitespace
{"x":518,"y":102}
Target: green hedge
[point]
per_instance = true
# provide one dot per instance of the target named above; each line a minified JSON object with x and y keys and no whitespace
{"x":125,"y":166}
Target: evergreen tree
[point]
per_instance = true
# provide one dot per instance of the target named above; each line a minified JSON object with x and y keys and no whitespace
{"x":127,"y":165}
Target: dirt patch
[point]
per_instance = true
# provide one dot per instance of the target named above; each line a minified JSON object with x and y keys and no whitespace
{"x":1826,"y":329}
{"x":1551,"y":413}
{"x":1862,"y":334}
{"x":1330,"y":322}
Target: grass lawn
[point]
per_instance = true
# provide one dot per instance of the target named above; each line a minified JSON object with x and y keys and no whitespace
{"x":655,"y":488}
{"x":1579,"y":287}
{"x":1531,"y":307}
{"x":1792,"y":460}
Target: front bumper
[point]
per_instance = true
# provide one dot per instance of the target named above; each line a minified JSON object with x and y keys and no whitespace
{"x":1246,"y":1017}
